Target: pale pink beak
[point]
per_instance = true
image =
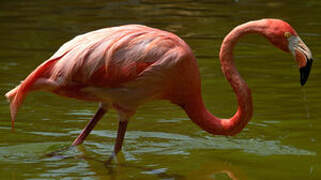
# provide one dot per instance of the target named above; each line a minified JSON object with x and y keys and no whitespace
{"x":304,"y":59}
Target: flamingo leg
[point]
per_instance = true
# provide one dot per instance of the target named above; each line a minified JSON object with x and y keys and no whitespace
{"x":90,"y":126}
{"x":119,"y":140}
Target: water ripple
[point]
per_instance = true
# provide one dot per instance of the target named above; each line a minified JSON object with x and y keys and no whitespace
{"x":170,"y":143}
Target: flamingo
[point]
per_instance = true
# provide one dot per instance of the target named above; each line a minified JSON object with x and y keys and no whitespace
{"x":126,"y":66}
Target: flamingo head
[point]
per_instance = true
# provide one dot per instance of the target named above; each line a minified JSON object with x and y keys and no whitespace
{"x":302,"y":54}
{"x":283,"y":36}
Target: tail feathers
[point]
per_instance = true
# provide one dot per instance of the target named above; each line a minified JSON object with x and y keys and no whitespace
{"x":17,"y":95}
{"x":10,"y":96}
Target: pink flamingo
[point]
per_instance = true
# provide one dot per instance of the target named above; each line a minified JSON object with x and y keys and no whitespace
{"x":126,"y":66}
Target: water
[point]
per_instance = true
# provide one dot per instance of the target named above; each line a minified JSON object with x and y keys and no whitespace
{"x":282,"y":141}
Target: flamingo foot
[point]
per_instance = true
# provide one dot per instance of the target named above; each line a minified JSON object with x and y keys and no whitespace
{"x":110,"y":159}
{"x":58,"y":152}
{"x":119,"y":141}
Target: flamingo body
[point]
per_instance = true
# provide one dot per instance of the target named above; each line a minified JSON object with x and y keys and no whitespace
{"x":121,"y":66}
{"x":126,"y":66}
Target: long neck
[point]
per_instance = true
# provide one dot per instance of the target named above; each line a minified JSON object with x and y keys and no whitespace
{"x":196,"y":109}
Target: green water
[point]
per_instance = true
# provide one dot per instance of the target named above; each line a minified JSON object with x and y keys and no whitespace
{"x":282,"y":141}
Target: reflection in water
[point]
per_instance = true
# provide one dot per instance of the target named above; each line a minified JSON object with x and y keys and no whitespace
{"x":119,"y":170}
{"x":217,"y":169}
{"x":63,"y":160}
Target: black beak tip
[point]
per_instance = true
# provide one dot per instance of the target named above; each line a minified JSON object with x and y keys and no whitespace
{"x":303,"y":81}
{"x":305,"y":72}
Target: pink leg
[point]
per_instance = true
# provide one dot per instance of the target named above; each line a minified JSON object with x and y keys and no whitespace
{"x":120,"y":135}
{"x":119,"y":140}
{"x":90,"y":126}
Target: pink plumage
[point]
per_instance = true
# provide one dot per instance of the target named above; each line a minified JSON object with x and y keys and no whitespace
{"x":106,"y":58}
{"x":126,"y":66}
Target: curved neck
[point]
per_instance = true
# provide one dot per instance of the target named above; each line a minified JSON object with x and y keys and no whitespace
{"x":196,"y":109}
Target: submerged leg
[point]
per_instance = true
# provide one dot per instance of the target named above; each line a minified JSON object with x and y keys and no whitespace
{"x":119,"y":140}
{"x":120,"y":136}
{"x":90,"y":126}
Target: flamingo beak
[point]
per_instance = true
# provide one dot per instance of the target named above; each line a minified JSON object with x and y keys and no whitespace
{"x":304,"y":59}
{"x":305,"y":71}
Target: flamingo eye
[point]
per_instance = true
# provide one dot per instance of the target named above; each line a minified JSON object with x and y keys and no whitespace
{"x":287,"y":35}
